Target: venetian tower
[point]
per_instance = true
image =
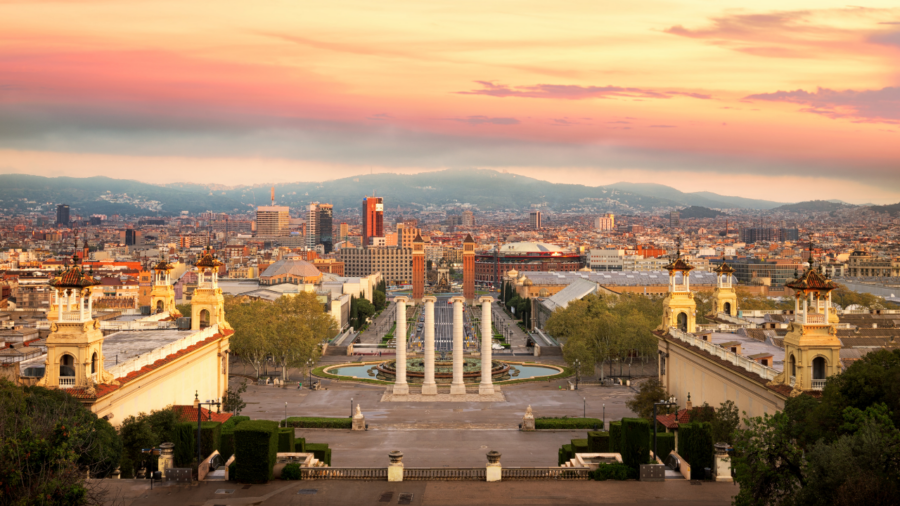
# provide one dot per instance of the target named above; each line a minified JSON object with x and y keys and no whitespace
{"x":812,"y":350}
{"x":162,"y":295}
{"x":418,"y":269}
{"x":469,"y":269}
{"x":679,"y":307}
{"x":75,"y":344}
{"x":208,"y":304}
{"x":725,"y":297}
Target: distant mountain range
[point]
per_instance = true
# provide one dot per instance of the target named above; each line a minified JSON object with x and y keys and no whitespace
{"x":486,"y":189}
{"x":699,"y":212}
{"x":813,"y":206}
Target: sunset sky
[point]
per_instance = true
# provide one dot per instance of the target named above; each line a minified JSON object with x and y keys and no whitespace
{"x":784,"y":101}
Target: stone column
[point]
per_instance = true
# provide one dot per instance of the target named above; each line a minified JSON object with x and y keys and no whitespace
{"x":429,"y":387}
{"x":487,"y":386}
{"x":400,"y":386}
{"x":395,"y":470}
{"x":458,"y":386}
{"x":493,"y":471}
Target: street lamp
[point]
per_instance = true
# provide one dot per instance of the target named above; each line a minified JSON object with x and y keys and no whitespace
{"x":577,"y":365}
{"x":351,"y":407}
{"x":199,"y":419}
{"x":285,"y":413}
{"x":584,"y":408}
{"x":604,"y":416}
{"x":670,"y":402}
{"x":309,"y":363}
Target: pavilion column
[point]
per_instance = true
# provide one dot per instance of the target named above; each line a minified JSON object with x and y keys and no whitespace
{"x":805,"y":310}
{"x":458,"y":386}
{"x":429,"y":387}
{"x":400,"y":386}
{"x":486,"y":387}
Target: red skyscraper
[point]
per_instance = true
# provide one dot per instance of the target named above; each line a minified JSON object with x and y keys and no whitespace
{"x":469,"y":269}
{"x":418,"y":268}
{"x":372,"y":219}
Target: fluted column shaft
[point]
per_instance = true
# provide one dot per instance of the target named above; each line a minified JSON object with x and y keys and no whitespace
{"x":458,"y":386}
{"x":400,"y":386}
{"x":487,"y":386}
{"x":429,"y":387}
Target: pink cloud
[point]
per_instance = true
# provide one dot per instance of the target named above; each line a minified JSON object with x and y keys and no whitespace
{"x":574,"y":92}
{"x":882,"y":106}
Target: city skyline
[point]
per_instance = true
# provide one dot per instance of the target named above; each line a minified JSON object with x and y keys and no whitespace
{"x":697,"y":96}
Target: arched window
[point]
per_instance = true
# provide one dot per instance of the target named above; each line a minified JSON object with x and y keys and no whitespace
{"x":727,"y":308}
{"x":793,"y":365}
{"x":682,"y":322}
{"x":67,"y":365}
{"x":818,"y":368}
{"x":94,"y":363}
{"x":204,"y":318}
{"x":159,"y":306}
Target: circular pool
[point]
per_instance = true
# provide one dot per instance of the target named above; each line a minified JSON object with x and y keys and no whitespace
{"x":443,"y":371}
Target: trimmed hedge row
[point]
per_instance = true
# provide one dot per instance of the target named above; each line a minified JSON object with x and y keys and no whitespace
{"x":635,"y":447}
{"x":286,"y":439}
{"x":615,"y":437}
{"x":566,"y":453}
{"x":300,"y":445}
{"x":665,"y":444}
{"x":613,"y":472}
{"x":210,"y":437}
{"x":185,"y":446}
{"x":580,"y":445}
{"x":598,"y":442}
{"x":320,"y":451}
{"x":255,"y":447}
{"x":291,"y":472}
{"x":302,"y":422}
{"x":695,"y":445}
{"x":567,"y":423}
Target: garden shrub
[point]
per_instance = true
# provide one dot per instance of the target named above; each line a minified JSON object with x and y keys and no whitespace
{"x":665,"y":444}
{"x":232,"y":471}
{"x":684,"y":433}
{"x":613,"y":472}
{"x":210,"y":437}
{"x":286,"y":439}
{"x":565,"y":423}
{"x":226,"y":444}
{"x":320,"y":451}
{"x":300,"y":445}
{"x":255,"y":448}
{"x":615,"y":437}
{"x":185,"y":445}
{"x":598,"y":442}
{"x":319,"y":423}
{"x":635,"y":447}
{"x":700,"y":449}
{"x":126,"y":469}
{"x":580,"y":445}
{"x":568,"y":452}
{"x":291,"y":472}
{"x":560,"y":458}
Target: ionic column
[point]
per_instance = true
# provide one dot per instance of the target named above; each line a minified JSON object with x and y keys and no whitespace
{"x":429,"y":387}
{"x":458,"y":386}
{"x":486,"y":387}
{"x":401,"y":387}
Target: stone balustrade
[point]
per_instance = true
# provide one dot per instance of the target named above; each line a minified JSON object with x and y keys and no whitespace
{"x":739,"y":360}
{"x":136,"y":363}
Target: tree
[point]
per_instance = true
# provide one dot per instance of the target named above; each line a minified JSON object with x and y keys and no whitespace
{"x":233,"y":402}
{"x":725,"y":422}
{"x":301,"y":324}
{"x":650,"y":392}
{"x":364,"y":309}
{"x":48,"y":443}
{"x":146,"y":431}
{"x":250,"y":342}
{"x":378,"y":300}
{"x":767,"y":463}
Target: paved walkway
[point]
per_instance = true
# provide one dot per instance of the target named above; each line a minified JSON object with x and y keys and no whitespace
{"x":378,"y":328}
{"x":519,"y":338}
{"x":432,"y":493}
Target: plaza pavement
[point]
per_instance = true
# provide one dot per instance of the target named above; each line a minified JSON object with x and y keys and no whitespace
{"x":431,"y":493}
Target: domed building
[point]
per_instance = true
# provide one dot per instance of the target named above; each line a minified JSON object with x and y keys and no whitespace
{"x":523,"y":257}
{"x":290,"y":270}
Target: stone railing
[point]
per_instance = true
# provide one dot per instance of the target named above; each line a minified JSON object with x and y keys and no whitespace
{"x":136,"y":325}
{"x":74,"y":316}
{"x":66,"y":381}
{"x":146,"y":359}
{"x":719,"y":327}
{"x":544,"y":473}
{"x":793,"y":381}
{"x":815,"y":319}
{"x":818,"y":384}
{"x":443,"y":474}
{"x":737,"y":321}
{"x":759,"y":313}
{"x":727,"y":355}
{"x":344,"y":473}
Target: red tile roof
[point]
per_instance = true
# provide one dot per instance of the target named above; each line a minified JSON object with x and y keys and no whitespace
{"x":189,"y":414}
{"x":672,"y":420}
{"x":103,"y":390}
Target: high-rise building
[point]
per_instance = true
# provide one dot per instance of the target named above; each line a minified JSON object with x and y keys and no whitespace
{"x":602,"y":223}
{"x":674,"y":219}
{"x":319,"y":226}
{"x":468,"y":219}
{"x":405,"y":235}
{"x":535,"y":220}
{"x":418,"y":268}
{"x":372,"y":219}
{"x":273,"y":221}
{"x":769,"y":234}
{"x":62,"y":215}
{"x":468,"y":255}
{"x":343,"y":232}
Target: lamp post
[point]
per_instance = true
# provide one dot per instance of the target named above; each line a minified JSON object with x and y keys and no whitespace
{"x":577,"y":365}
{"x":670,"y":402}
{"x":351,"y":407}
{"x":285,"y":413}
{"x":584,"y":408}
{"x":199,"y":420}
{"x":604,"y":416}
{"x":309,"y":364}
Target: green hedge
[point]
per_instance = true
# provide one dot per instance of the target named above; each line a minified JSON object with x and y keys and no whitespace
{"x":286,"y":439}
{"x":567,"y":423}
{"x":684,"y":433}
{"x":635,"y":442}
{"x":226,"y":445}
{"x":255,"y":447}
{"x":320,"y":451}
{"x":598,"y":442}
{"x":319,"y":423}
{"x":299,"y":445}
{"x":185,"y":450}
{"x":560,"y":459}
{"x":236,"y":419}
{"x":665,"y":444}
{"x":698,"y":449}
{"x":568,"y":452}
{"x":615,"y":437}
{"x":210,"y":437}
{"x":291,"y":472}
{"x":580,"y":445}
{"x":613,"y":472}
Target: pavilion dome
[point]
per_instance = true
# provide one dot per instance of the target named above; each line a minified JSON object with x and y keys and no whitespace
{"x":529,"y":247}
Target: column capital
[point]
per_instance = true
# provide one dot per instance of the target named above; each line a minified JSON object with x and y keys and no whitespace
{"x":460,"y":299}
{"x":429,"y":298}
{"x":486,"y":298}
{"x":402,"y":299}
